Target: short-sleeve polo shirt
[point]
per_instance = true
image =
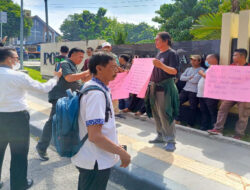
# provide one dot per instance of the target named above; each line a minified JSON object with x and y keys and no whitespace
{"x":92,"y":112}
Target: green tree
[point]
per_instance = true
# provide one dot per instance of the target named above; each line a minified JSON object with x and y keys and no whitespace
{"x":120,"y":37}
{"x":12,"y":28}
{"x":226,"y":5}
{"x":178,"y":18}
{"x":70,"y":28}
{"x":136,"y":33}
{"x":208,"y":27}
{"x":139,"y":32}
{"x":85,"y":26}
{"x":92,"y":24}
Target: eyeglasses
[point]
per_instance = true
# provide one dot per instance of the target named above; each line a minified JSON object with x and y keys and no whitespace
{"x":15,"y":57}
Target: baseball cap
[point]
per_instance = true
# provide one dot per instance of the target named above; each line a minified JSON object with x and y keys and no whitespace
{"x":196,"y":57}
{"x":106,"y":44}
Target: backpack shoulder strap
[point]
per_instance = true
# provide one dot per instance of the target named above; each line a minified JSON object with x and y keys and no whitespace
{"x":84,"y":91}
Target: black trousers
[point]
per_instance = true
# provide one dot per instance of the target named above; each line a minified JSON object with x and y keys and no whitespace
{"x":14,"y":130}
{"x":193,"y":101}
{"x":45,"y":139}
{"x":93,"y":179}
{"x":136,"y":104}
{"x":209,"y":109}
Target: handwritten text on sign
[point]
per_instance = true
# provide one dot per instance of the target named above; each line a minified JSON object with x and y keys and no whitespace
{"x":139,"y":75}
{"x":228,"y":83}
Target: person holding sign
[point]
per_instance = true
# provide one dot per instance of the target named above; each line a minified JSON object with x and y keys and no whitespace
{"x":208,"y":106}
{"x":162,"y":99}
{"x":239,"y":59}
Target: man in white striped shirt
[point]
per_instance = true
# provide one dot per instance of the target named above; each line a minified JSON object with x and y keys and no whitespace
{"x":14,"y":117}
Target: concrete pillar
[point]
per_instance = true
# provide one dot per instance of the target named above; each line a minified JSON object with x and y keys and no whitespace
{"x":244,"y":30}
{"x":229,"y":30}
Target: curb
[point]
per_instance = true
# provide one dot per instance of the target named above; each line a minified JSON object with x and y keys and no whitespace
{"x":131,"y":178}
{"x":205,"y":134}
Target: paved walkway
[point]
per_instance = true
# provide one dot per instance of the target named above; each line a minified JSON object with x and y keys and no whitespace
{"x":200,"y":162}
{"x":56,"y":174}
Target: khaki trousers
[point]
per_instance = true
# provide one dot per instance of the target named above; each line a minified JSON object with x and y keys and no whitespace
{"x":161,"y":118}
{"x":244,"y":113}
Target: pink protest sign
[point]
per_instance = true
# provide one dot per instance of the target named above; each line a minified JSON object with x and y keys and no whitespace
{"x":144,"y":90}
{"x":139,"y":75}
{"x":116,"y":86}
{"x":228,"y":83}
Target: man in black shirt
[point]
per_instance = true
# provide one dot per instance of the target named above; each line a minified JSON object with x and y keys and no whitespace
{"x":70,"y":80}
{"x":163,"y":94}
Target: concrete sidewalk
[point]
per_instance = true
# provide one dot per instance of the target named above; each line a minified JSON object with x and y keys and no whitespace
{"x":200,"y":162}
{"x":56,"y":174}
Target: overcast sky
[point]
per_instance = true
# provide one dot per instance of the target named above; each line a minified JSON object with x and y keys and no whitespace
{"x":132,"y":11}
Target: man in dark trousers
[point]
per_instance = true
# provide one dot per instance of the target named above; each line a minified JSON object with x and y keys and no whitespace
{"x":101,"y":151}
{"x":70,"y":80}
{"x":162,"y":100}
{"x":14,"y":117}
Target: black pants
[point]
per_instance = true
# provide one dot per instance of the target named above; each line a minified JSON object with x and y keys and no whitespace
{"x":209,"y":111}
{"x":45,"y":139}
{"x":93,"y":179}
{"x":136,"y":104}
{"x":193,"y":101}
{"x":14,"y":130}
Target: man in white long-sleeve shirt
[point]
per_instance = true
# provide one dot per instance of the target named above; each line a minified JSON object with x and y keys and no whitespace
{"x":189,"y":92}
{"x":14,"y":117}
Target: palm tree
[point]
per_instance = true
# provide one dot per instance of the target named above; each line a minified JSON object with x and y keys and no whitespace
{"x":207,"y":27}
{"x":120,"y":37}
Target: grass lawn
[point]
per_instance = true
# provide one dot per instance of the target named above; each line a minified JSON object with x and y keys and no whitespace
{"x":33,"y":73}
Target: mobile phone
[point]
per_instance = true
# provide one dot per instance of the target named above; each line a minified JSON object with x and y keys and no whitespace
{"x":58,"y":66}
{"x":124,"y":147}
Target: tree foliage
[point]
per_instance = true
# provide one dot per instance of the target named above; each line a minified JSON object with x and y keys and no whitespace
{"x":12,"y":28}
{"x":208,"y":27}
{"x":178,"y":18}
{"x":88,"y":26}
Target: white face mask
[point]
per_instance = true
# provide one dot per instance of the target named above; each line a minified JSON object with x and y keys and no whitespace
{"x":16,"y":66}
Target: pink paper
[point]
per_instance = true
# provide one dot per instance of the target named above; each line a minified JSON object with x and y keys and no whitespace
{"x":144,"y":90}
{"x":139,"y":75}
{"x":228,"y":83}
{"x":116,"y":86}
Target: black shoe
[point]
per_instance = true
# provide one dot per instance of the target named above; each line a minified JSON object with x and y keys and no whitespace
{"x":29,"y":183}
{"x":120,"y":116}
{"x":42,"y":155}
{"x":1,"y":184}
{"x":158,"y":139}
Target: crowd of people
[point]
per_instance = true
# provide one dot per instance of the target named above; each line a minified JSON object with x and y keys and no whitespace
{"x":101,"y":150}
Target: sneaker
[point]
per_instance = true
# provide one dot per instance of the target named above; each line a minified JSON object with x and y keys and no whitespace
{"x":1,"y":184}
{"x":42,"y":155}
{"x":214,"y":132}
{"x":170,"y":147}
{"x":237,"y":137}
{"x":158,"y":139}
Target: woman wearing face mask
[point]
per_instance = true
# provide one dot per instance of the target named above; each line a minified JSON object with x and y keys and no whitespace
{"x":208,"y":106}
